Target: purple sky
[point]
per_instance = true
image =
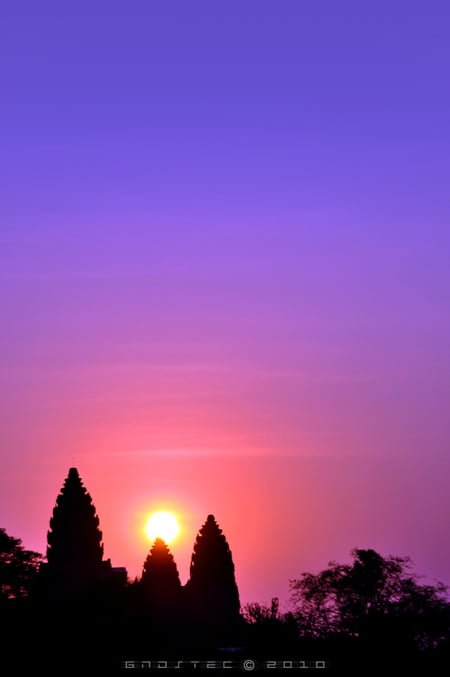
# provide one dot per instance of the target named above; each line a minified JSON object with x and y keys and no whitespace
{"x":224,"y":272}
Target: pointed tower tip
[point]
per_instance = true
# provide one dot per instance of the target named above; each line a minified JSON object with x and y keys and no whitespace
{"x":210,"y":518}
{"x":73,"y":472}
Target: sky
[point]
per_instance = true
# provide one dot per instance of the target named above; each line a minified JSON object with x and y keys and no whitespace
{"x":224,"y":276}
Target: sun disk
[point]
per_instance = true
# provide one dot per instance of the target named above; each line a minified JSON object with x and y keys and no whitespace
{"x":163,"y":525}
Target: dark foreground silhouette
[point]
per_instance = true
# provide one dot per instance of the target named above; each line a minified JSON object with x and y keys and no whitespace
{"x":77,"y":614}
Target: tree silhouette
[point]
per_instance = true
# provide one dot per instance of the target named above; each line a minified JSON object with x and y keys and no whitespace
{"x":268,"y":626}
{"x":256,"y":613}
{"x":75,"y":549}
{"x":211,"y":590}
{"x":18,"y":567}
{"x":374,"y":597}
{"x":160,"y":581}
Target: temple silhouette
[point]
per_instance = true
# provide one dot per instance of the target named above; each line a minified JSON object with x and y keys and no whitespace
{"x":77,"y":579}
{"x":76,"y":613}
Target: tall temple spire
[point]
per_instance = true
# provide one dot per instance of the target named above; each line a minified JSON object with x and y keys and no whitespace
{"x":160,"y":571}
{"x":212,"y":590}
{"x":75,"y":548}
{"x":161,"y":583}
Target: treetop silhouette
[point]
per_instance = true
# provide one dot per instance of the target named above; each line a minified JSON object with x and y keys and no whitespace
{"x":374,"y":596}
{"x":18,"y":567}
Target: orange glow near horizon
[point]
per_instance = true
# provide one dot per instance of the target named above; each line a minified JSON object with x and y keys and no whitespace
{"x":162,"y":524}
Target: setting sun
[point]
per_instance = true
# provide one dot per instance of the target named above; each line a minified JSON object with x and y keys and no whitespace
{"x":162,"y":525}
